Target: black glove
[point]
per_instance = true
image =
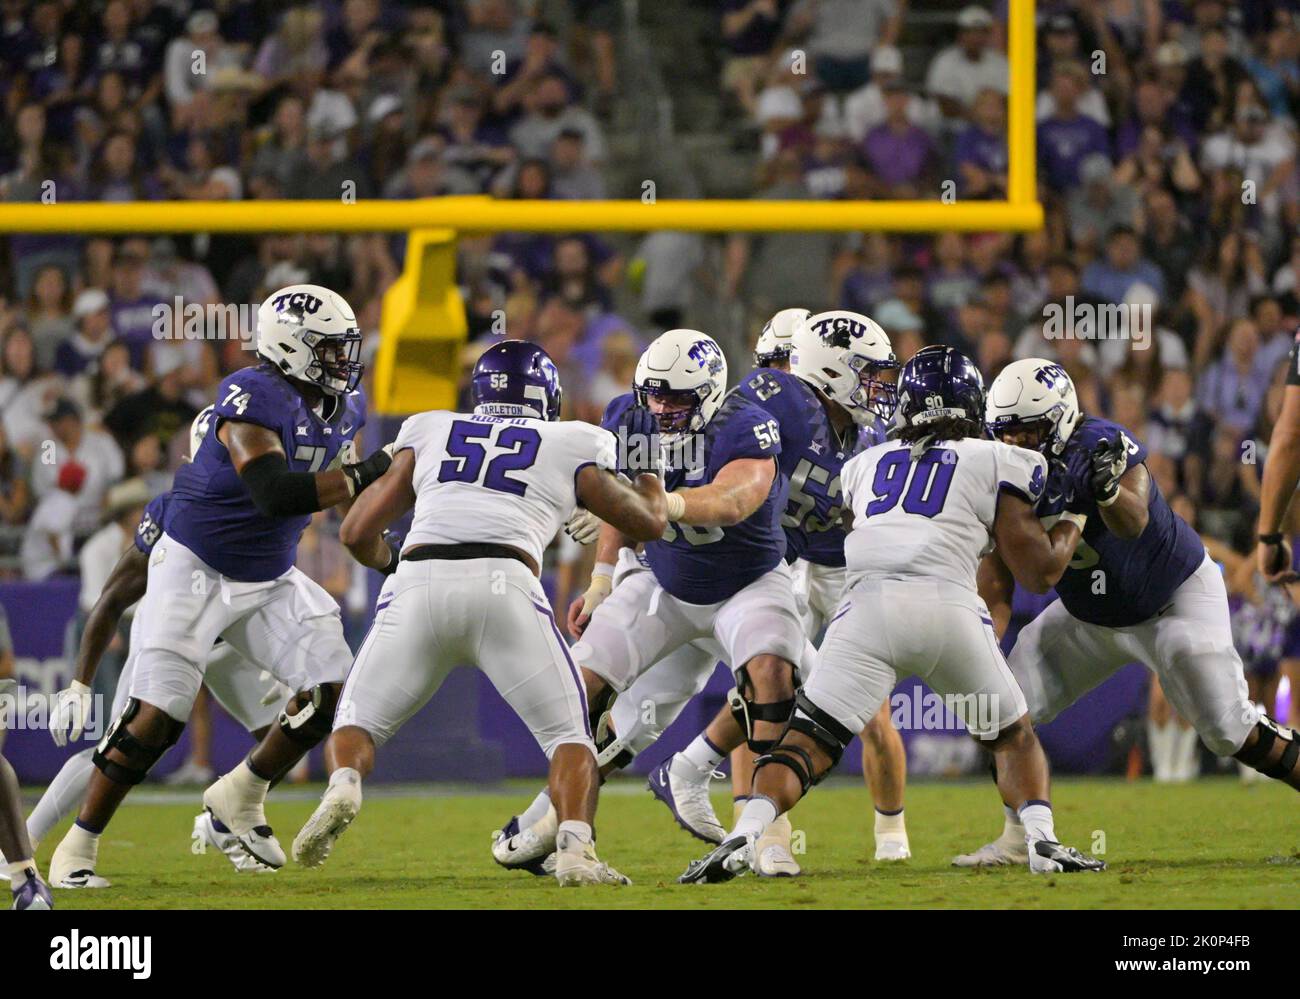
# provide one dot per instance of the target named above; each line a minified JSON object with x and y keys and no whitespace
{"x":638,"y":443}
{"x":394,"y":543}
{"x":365,"y":471}
{"x":1107,"y":462}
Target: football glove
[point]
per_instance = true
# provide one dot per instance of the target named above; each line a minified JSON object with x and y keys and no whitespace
{"x":1107,"y":463}
{"x":364,"y":472}
{"x":71,"y":709}
{"x":583,"y":527}
{"x":639,"y":443}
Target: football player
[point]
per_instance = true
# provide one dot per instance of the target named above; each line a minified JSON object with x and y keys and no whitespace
{"x":922,"y":509}
{"x":1140,"y":586}
{"x":28,"y":889}
{"x":239,"y":687}
{"x":490,"y":491}
{"x":836,"y":399}
{"x":715,"y":585}
{"x":223,"y":568}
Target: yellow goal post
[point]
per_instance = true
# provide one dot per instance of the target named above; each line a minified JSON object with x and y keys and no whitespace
{"x":424,"y":324}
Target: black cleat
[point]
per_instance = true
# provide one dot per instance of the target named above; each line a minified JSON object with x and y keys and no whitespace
{"x":725,"y":862}
{"x":1048,"y":857}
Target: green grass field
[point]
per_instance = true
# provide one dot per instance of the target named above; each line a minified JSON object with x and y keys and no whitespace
{"x":1213,"y":844}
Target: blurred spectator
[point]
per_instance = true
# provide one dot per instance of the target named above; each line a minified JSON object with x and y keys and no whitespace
{"x":92,"y":312}
{"x":1121,"y":267}
{"x":899,"y":154}
{"x":840,"y":36}
{"x":47,"y":545}
{"x":960,"y":71}
{"x":750,"y":29}
{"x":92,"y":451}
{"x":864,"y":109}
{"x":1067,"y":136}
{"x":980,"y":152}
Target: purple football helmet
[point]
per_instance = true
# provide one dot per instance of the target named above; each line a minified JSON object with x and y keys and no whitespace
{"x":516,"y":378}
{"x":940,"y":383}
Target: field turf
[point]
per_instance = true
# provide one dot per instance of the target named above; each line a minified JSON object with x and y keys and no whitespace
{"x":1213,"y":844}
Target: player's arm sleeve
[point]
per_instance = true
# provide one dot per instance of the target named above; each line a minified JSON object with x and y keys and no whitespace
{"x":150,"y":527}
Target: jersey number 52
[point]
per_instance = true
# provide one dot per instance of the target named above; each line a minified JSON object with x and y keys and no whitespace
{"x":518,"y":451}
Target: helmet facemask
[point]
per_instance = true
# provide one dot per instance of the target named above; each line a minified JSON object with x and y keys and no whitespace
{"x":875,"y":394}
{"x":682,"y":415}
{"x":336,"y":360}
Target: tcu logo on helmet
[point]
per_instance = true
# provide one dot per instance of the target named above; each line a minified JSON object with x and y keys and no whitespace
{"x":706,"y":354}
{"x":1051,"y":375}
{"x":299,"y":300}
{"x":833,"y":326}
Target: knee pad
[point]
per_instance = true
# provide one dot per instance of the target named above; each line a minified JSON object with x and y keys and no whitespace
{"x":819,"y":726}
{"x":746,"y":711}
{"x":315,"y":716}
{"x":1268,"y":734}
{"x":598,"y":712}
{"x":140,"y":758}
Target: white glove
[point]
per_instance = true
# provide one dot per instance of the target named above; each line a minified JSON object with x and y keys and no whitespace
{"x":278,"y":691}
{"x":71,"y":709}
{"x":583,"y":527}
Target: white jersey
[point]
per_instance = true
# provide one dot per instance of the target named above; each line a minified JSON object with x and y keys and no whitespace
{"x":505,"y":480}
{"x":932,"y":516}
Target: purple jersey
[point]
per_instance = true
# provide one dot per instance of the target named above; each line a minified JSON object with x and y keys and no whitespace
{"x":811,"y":457}
{"x":1114,"y":581}
{"x":211,"y":511}
{"x":150,"y":529}
{"x":705,"y":565}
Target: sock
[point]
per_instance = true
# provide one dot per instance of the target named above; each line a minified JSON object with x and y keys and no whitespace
{"x":778,"y":833}
{"x":581,"y":831}
{"x":738,"y":807}
{"x":1186,"y":759}
{"x":1036,"y":816}
{"x":540,"y":806}
{"x":1012,"y":829}
{"x":18,"y":872}
{"x":62,"y":797}
{"x":890,"y":822}
{"x":701,"y":754}
{"x":345,"y":775}
{"x":81,"y":842}
{"x":759,"y":813}
{"x":1159,"y":738}
{"x":250,"y":785}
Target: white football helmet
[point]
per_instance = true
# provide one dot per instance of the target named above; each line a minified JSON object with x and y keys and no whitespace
{"x":1034,"y":391}
{"x":199,"y":429}
{"x":688,"y":365}
{"x":774,"y":343}
{"x":311,"y":334}
{"x":842,"y":353}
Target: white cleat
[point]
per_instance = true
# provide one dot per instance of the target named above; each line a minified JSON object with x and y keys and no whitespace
{"x":527,"y":848}
{"x":775,"y":861}
{"x":338,"y":807}
{"x":891,"y":847}
{"x":685,"y":790}
{"x":999,"y":853}
{"x":246,"y":820}
{"x":206,"y":832}
{"x":576,"y":864}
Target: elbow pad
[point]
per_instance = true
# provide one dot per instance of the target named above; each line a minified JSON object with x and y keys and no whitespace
{"x":278,"y":492}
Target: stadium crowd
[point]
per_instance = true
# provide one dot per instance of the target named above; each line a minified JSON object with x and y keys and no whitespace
{"x":1167,"y":165}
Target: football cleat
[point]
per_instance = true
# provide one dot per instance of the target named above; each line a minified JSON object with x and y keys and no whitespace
{"x":688,"y":799}
{"x":1002,"y":852}
{"x":246,"y":820}
{"x":338,"y":806}
{"x":207,"y":833}
{"x":539,"y":867}
{"x":894,"y":846}
{"x":1048,"y":857}
{"x":725,"y":862}
{"x":33,"y":895}
{"x":576,"y":864}
{"x":776,"y":861}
